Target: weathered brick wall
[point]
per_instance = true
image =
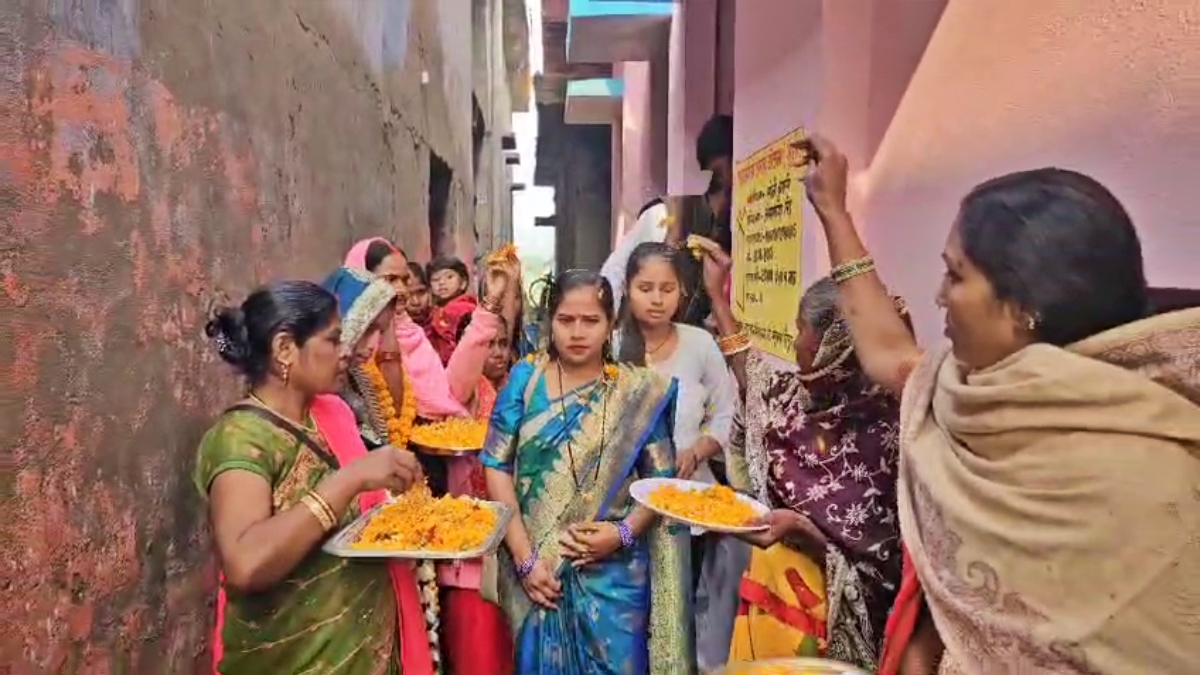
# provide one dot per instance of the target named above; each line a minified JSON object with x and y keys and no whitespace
{"x":154,"y":155}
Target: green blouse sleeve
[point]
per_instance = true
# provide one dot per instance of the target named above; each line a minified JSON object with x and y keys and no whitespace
{"x":237,"y":441}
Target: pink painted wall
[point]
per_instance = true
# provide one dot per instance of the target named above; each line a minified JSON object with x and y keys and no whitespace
{"x":640,"y":170}
{"x":726,"y":53}
{"x":618,"y":161}
{"x":632,"y":166}
{"x":930,"y":100}
{"x":691,"y":96}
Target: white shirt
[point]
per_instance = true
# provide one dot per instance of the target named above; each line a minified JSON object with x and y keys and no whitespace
{"x":707,"y":392}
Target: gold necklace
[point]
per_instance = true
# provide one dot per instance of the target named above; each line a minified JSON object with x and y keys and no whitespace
{"x":587,"y":495}
{"x":309,"y":425}
{"x":650,"y":352}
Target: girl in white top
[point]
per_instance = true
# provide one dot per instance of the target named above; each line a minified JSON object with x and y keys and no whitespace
{"x":652,"y":224}
{"x":649,"y":336}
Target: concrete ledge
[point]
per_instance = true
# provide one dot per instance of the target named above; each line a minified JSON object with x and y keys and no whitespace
{"x":612,"y":31}
{"x":594,"y":101}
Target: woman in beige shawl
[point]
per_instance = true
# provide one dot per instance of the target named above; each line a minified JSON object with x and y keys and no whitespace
{"x":1049,"y":487}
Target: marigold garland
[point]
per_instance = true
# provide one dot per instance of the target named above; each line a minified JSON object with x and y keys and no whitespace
{"x":399,"y":428}
{"x":399,"y":420}
{"x":506,"y":254}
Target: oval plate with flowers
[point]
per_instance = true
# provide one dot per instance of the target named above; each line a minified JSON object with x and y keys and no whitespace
{"x":714,"y":508}
{"x":452,"y":437}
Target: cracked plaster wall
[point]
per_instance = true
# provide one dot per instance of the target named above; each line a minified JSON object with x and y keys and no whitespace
{"x":155,"y":155}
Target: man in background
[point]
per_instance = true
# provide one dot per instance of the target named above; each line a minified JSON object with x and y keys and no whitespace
{"x":714,"y":153}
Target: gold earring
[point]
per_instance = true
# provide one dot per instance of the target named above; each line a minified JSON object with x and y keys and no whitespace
{"x":286,"y":374}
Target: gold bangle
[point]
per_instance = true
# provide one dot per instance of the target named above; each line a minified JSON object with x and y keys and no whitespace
{"x":317,"y":512}
{"x":736,"y":341}
{"x":730,"y":345}
{"x":726,"y":339}
{"x":734,"y":351}
{"x":320,"y":510}
{"x":852,"y":268}
{"x":333,"y":516}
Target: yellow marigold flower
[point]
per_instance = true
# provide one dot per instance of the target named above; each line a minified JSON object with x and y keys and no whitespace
{"x":717,"y":505}
{"x":452,"y":434}
{"x":418,"y":522}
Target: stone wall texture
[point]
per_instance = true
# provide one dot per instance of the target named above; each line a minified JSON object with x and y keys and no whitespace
{"x":157,"y":156}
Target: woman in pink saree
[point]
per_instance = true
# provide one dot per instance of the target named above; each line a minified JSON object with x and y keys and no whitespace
{"x":1049,"y":458}
{"x":474,"y":632}
{"x":443,"y":391}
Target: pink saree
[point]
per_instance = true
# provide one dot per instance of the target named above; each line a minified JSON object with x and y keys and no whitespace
{"x":444,"y":391}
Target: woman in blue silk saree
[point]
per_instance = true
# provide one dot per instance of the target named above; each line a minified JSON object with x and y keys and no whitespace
{"x":569,"y":461}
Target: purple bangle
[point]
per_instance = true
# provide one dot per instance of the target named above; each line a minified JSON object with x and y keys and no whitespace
{"x":526,"y":566}
{"x":625,"y":533}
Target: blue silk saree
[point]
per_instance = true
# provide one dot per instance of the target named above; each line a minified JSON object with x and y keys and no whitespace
{"x":628,"y":614}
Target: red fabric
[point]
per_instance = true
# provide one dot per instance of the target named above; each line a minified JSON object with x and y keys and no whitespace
{"x":443,"y":324}
{"x":903,"y":620}
{"x":336,"y":422}
{"x":485,"y":399}
{"x":758,"y":595}
{"x":475,"y":635}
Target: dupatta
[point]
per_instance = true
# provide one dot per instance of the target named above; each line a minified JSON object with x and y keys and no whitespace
{"x":1049,"y":503}
{"x":435,"y":395}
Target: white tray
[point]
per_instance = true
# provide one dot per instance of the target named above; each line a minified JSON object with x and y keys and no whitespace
{"x":340,"y":544}
{"x":641,"y":489}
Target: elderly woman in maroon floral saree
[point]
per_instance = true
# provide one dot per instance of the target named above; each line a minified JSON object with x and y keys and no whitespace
{"x":822,"y":446}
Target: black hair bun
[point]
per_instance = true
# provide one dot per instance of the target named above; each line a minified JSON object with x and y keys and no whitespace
{"x":227,"y":330}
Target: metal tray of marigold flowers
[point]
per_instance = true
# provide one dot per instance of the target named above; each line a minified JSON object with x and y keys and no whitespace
{"x":342,"y":544}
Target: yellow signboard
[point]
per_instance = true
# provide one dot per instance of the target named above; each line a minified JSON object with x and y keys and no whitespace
{"x":768,"y":194}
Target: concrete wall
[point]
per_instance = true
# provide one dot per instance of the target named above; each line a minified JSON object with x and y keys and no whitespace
{"x":583,"y":195}
{"x":691,"y":92}
{"x":493,"y":199}
{"x":156,"y":155}
{"x":666,"y":103}
{"x":930,"y":97}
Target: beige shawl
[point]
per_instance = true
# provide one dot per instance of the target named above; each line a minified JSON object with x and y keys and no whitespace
{"x":1051,"y":503}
